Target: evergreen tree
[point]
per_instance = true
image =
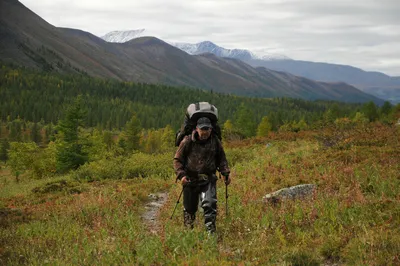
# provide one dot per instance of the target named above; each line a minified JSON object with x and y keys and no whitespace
{"x":395,"y":114}
{"x":244,"y":122}
{"x":386,"y":108}
{"x":122,"y":144}
{"x":370,"y":111}
{"x":4,"y":147}
{"x":108,"y":139}
{"x":35,"y":133}
{"x":70,"y":149}
{"x":167,"y":138}
{"x":16,"y":130}
{"x":132,"y":133}
{"x":264,"y":127}
{"x":332,"y":114}
{"x":48,"y":133}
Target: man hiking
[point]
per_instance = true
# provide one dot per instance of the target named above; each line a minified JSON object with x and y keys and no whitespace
{"x":198,"y":157}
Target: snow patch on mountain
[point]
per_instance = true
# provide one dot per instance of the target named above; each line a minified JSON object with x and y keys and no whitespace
{"x":123,"y":36}
{"x":242,"y":54}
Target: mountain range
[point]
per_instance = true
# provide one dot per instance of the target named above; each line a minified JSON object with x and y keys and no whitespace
{"x":28,"y":40}
{"x":374,"y":83}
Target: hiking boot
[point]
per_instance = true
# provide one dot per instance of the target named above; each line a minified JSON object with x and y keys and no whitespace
{"x":210,"y":227}
{"x":188,"y":219}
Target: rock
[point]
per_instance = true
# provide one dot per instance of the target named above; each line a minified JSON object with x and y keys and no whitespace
{"x":295,"y":192}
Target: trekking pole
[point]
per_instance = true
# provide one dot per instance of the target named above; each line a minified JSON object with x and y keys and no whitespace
{"x":226,"y":199}
{"x":177,"y":202}
{"x":226,"y":196}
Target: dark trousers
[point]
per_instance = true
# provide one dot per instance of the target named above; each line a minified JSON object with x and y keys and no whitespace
{"x":206,"y":193}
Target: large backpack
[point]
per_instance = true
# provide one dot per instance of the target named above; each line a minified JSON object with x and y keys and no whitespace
{"x":193,"y":113}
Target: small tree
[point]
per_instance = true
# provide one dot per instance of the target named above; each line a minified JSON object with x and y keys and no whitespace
{"x":264,"y":127}
{"x":167,"y":138}
{"x":4,"y":146}
{"x":108,"y":139}
{"x":21,"y":157}
{"x":370,"y":111}
{"x":301,"y":125}
{"x":97,"y":148}
{"x":229,"y":133}
{"x":331,"y":114}
{"x":16,"y":129}
{"x":70,"y":147}
{"x":35,"y":133}
{"x":360,"y":119}
{"x":245,"y":122}
{"x":46,"y":164}
{"x":132,"y":133}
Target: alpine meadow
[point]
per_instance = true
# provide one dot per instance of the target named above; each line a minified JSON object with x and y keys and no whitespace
{"x":86,"y":177}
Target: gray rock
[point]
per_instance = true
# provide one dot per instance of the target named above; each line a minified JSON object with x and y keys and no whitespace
{"x":295,"y":192}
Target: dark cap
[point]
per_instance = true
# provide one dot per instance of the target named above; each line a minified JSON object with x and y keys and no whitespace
{"x":204,"y":122}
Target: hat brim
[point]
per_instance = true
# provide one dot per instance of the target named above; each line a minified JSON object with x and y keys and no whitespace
{"x":204,"y":125}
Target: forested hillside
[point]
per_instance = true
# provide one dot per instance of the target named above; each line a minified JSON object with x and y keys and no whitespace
{"x":36,"y":96}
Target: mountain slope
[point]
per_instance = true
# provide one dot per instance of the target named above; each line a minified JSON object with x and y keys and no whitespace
{"x":374,"y":83}
{"x":30,"y":41}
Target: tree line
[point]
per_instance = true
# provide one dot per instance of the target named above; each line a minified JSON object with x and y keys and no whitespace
{"x":40,"y":96}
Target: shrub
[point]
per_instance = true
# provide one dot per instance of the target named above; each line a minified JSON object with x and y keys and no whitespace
{"x":137,"y":165}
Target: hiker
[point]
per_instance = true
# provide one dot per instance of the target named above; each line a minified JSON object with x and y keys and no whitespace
{"x":198,"y":157}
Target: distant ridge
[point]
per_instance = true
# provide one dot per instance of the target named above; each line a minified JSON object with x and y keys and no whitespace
{"x":374,"y":83}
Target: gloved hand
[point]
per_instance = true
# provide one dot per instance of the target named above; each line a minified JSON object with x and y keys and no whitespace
{"x":184,"y":181}
{"x":227,"y":179}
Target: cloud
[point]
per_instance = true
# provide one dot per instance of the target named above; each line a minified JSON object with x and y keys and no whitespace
{"x":364,"y":34}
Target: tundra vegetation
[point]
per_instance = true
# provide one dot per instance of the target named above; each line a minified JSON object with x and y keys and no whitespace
{"x":74,"y":182}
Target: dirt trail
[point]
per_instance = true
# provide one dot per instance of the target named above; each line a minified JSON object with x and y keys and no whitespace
{"x":151,"y":214}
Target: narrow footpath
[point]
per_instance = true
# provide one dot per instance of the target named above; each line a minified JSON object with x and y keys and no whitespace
{"x":150,"y":216}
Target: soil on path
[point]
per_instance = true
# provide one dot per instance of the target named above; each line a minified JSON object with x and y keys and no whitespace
{"x":151,"y":215}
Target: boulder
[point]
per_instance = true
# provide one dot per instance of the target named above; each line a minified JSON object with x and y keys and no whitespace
{"x":295,"y":192}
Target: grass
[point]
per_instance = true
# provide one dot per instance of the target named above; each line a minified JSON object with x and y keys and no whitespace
{"x":353,"y":219}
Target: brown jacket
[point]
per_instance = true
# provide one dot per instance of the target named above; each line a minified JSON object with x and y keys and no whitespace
{"x":195,"y":157}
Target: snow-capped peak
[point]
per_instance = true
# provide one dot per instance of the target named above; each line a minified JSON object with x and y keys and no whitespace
{"x":242,"y":54}
{"x":197,"y":48}
{"x":123,"y":36}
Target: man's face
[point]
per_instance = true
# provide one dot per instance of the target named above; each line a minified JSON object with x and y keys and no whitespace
{"x":204,"y":133}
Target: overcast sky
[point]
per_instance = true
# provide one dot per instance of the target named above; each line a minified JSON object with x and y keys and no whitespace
{"x":361,"y":33}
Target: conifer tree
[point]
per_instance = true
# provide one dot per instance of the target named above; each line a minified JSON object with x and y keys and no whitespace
{"x":70,"y":149}
{"x":35,"y":133}
{"x":132,"y":133}
{"x":167,"y":138}
{"x":386,"y":108}
{"x":370,"y":110}
{"x":16,"y":130}
{"x":4,"y":147}
{"x":245,"y":121}
{"x":264,"y":127}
